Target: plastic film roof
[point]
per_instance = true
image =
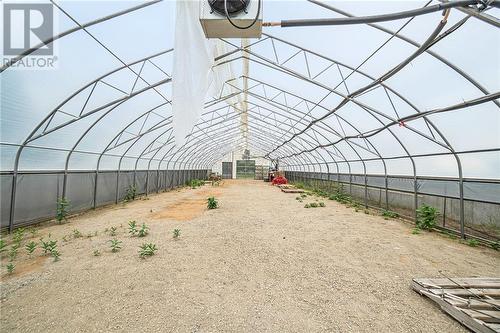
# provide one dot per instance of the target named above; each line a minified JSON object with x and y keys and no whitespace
{"x":404,"y":97}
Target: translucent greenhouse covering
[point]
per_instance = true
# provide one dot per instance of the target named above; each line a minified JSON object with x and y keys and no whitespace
{"x":401,"y":112}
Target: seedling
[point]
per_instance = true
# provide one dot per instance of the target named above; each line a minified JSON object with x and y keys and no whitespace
{"x":77,"y":233}
{"x":62,"y":210}
{"x":472,"y":242}
{"x":96,"y":253}
{"x":147,"y":250}
{"x":65,"y":238}
{"x":313,"y":205}
{"x":212,"y":203}
{"x":143,"y":231}
{"x":177,"y":233}
{"x":112,"y":231}
{"x":10,"y":267}
{"x":18,"y":236}
{"x":307,"y":206}
{"x":321,"y":204}
{"x":55,"y":254}
{"x":415,"y":231}
{"x":115,"y":245}
{"x":12,"y":253}
{"x":366,"y":211}
{"x":389,"y":214}
{"x":132,"y":228}
{"x":48,"y":246}
{"x":30,"y":247}
{"x":495,"y":246}
{"x":131,"y":193}
{"x":3,"y":244}
{"x":426,"y":217}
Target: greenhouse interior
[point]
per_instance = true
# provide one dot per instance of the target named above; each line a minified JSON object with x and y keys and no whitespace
{"x":250,"y":166}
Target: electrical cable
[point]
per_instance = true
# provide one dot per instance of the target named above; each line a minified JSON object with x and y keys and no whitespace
{"x":235,"y":25}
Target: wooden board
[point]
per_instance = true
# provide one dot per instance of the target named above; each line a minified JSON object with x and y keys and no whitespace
{"x":290,"y":189}
{"x":474,"y":302}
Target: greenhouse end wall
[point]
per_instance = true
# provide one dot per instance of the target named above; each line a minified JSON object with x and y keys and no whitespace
{"x":37,"y":192}
{"x":481,"y":198}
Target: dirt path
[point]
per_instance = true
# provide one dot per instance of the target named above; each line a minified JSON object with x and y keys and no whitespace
{"x":260,"y":263}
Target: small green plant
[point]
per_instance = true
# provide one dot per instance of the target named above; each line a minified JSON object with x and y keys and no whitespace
{"x":143,"y":231}
{"x":33,"y":231}
{"x":48,"y":246}
{"x":131,"y":193}
{"x":313,"y":205}
{"x":112,"y":231}
{"x":18,"y":235}
{"x":415,"y":231}
{"x":212,"y":203}
{"x":13,"y":253}
{"x":96,"y":253}
{"x":147,"y":250}
{"x":473,"y":242}
{"x":389,"y":214}
{"x":3,"y":245}
{"x":116,"y":245}
{"x":31,"y":247}
{"x":10,"y":267}
{"x":495,"y":246}
{"x":177,"y":233}
{"x":366,"y":211}
{"x":62,"y":210}
{"x":307,"y":206}
{"x":77,"y":233}
{"x":65,"y":238}
{"x":132,"y":228}
{"x":194,"y":183}
{"x":426,"y":217}
{"x":321,"y":204}
{"x":55,"y":254}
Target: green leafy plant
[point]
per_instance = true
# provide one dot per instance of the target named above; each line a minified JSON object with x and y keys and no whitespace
{"x":147,"y":250}
{"x":55,"y":254}
{"x":313,"y":205}
{"x":340,"y":195}
{"x":177,"y":233}
{"x":112,"y":231}
{"x":65,"y":238}
{"x":307,"y":206}
{"x":143,"y":231}
{"x":10,"y":267}
{"x":389,"y":214}
{"x":194,"y":183}
{"x":415,"y":231}
{"x":131,"y":193}
{"x":31,"y":247}
{"x":116,"y":245}
{"x":132,"y":228}
{"x":96,"y":253}
{"x":473,"y":242}
{"x":48,"y":246}
{"x":321,"y":204}
{"x":13,"y":253}
{"x":77,"y":233}
{"x":3,"y":245}
{"x":18,"y":235}
{"x":212,"y":203}
{"x":366,"y":211}
{"x":62,"y":210}
{"x":495,"y":246}
{"x":426,"y":217}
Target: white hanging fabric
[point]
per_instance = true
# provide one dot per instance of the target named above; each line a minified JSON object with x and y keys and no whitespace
{"x":193,"y":58}
{"x":194,"y":73}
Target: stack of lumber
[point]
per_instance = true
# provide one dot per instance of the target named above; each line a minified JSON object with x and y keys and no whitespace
{"x":474,"y":302}
{"x":290,"y":189}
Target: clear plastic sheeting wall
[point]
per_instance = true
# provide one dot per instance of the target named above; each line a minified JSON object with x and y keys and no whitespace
{"x":38,"y":192}
{"x":395,"y":107}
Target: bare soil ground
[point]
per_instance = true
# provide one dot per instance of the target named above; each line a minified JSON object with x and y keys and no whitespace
{"x":259,"y":263}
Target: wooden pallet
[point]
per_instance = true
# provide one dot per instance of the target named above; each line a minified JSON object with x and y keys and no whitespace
{"x":474,"y":302}
{"x":290,"y":189}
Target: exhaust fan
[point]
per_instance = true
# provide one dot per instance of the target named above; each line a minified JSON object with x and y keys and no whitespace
{"x":231,"y":18}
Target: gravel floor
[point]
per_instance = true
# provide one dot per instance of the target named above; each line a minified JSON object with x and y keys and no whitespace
{"x":260,"y":263}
